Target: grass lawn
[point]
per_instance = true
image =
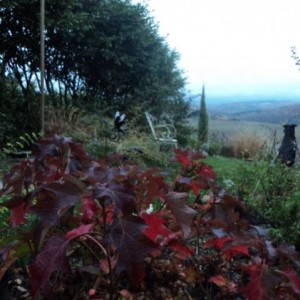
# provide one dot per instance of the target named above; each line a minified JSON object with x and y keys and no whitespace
{"x":271,"y":190}
{"x":229,"y":168}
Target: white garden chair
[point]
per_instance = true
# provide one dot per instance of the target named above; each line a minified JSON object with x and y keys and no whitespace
{"x":164,"y":134}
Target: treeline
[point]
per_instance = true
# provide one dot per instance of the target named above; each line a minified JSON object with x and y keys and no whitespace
{"x":98,"y":54}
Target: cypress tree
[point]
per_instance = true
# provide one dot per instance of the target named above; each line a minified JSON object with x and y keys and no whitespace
{"x":203,"y":122}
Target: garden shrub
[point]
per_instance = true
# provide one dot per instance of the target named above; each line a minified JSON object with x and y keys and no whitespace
{"x":271,"y":189}
{"x":107,"y":229}
{"x":276,"y":197}
{"x":19,"y":112}
{"x":144,"y":150}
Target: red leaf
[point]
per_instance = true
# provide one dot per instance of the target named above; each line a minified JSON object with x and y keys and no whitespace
{"x":185,"y":161}
{"x":223,"y":283}
{"x":255,"y":289}
{"x":18,"y":206}
{"x":236,"y":250}
{"x":218,"y":242}
{"x":177,"y":202}
{"x":187,"y":155}
{"x":207,"y":171}
{"x":261,"y":283}
{"x":51,"y":259}
{"x":294,"y":279}
{"x":218,"y":280}
{"x":183,"y":157}
{"x":17,"y":214}
{"x":150,"y":186}
{"x":89,"y":208}
{"x":183,"y":251}
{"x":18,"y":178}
{"x":54,"y":199}
{"x":83,"y":229}
{"x":195,"y":187}
{"x":156,"y":228}
{"x":120,"y":195}
{"x":126,"y":234}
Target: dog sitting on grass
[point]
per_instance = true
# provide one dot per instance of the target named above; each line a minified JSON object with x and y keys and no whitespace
{"x":288,"y":148}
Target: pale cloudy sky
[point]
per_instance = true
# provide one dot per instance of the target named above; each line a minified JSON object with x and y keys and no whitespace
{"x":237,"y":47}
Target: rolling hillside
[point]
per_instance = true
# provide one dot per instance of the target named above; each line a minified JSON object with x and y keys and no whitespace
{"x":259,"y":117}
{"x":277,"y":112}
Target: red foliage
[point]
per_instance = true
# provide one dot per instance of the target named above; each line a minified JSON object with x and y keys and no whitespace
{"x":96,"y":237}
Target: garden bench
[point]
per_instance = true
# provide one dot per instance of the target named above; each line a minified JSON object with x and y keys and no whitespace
{"x":164,"y":134}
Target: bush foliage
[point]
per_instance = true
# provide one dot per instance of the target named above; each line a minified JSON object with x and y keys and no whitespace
{"x":78,"y":221}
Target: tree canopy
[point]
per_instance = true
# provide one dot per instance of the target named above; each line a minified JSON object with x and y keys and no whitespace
{"x":107,"y":53}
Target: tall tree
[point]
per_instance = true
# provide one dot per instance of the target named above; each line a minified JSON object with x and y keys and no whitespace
{"x":203,"y":121}
{"x":106,"y":52}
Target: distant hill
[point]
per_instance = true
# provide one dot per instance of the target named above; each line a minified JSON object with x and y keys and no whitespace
{"x":277,"y":112}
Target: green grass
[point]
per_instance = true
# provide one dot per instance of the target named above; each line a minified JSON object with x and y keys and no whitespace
{"x":226,"y":168}
{"x":231,"y":174}
{"x":271,"y":190}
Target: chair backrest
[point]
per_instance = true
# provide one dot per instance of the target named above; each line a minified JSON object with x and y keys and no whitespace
{"x":151,"y":120}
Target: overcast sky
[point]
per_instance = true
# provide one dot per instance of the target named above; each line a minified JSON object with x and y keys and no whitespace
{"x":235,"y":47}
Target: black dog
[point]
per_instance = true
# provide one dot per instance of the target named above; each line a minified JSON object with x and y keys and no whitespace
{"x":288,"y":148}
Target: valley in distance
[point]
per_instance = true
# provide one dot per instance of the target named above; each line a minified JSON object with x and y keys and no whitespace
{"x":236,"y":115}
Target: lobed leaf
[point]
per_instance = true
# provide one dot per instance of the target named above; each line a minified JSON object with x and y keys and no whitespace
{"x":52,"y":258}
{"x":82,"y":229}
{"x":54,"y":199}
{"x":126,"y":234}
{"x":177,"y":203}
{"x":121,"y":196}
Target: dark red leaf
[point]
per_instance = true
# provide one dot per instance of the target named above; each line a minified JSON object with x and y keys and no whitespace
{"x":293,"y":278}
{"x":218,"y":242}
{"x":45,"y":147}
{"x":51,"y":259}
{"x":255,"y":289}
{"x":262,"y":282}
{"x":183,"y":156}
{"x":18,"y":209}
{"x":156,"y":229}
{"x":126,"y":234}
{"x":229,"y":202}
{"x":54,"y":199}
{"x":185,"y":161}
{"x":183,"y":251}
{"x":207,"y":171}
{"x":177,"y":203}
{"x":195,"y":187}
{"x":148,"y":187}
{"x":121,"y":196}
{"x":100,"y":174}
{"x":232,"y":251}
{"x":89,"y":208}
{"x":83,"y":229}
{"x":187,"y":155}
{"x":17,"y":215}
{"x":15,"y":180}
